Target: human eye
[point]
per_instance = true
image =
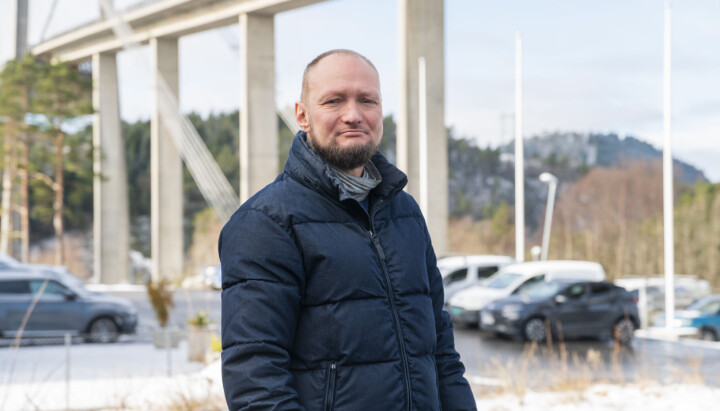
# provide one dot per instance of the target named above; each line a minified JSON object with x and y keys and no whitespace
{"x":331,"y":101}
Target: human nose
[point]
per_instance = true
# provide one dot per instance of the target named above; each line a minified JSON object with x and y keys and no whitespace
{"x":351,"y":113}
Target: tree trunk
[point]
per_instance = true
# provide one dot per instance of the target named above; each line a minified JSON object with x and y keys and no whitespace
{"x":24,"y":208}
{"x":713,"y":245}
{"x":59,"y":189}
{"x":622,"y":232}
{"x":6,"y":224}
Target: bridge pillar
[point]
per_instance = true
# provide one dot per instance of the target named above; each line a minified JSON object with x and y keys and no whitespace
{"x":110,"y":194}
{"x":166,"y":176}
{"x":422,"y":35}
{"x":258,"y":120}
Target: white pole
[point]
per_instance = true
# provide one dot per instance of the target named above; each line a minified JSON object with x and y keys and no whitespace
{"x":519,"y":160}
{"x":668,"y":181}
{"x":68,"y":342}
{"x":552,"y":186}
{"x":423,"y":135}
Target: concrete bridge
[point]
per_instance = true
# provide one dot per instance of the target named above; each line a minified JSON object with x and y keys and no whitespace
{"x":159,"y":25}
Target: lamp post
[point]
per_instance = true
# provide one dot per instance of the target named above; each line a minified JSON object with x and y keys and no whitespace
{"x":551,"y":181}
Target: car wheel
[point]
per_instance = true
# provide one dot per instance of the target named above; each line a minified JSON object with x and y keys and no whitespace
{"x":623,"y":331}
{"x":103,"y":330}
{"x":534,"y":330}
{"x":708,"y":335}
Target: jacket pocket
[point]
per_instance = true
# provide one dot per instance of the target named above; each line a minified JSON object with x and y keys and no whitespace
{"x":330,"y":387}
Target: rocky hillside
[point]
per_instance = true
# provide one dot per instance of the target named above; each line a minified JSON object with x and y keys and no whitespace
{"x":483,"y":179}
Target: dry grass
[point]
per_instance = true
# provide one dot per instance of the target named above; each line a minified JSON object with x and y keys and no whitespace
{"x":552,"y":368}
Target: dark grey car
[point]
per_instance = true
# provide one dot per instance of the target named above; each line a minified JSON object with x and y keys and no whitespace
{"x":61,"y":307}
{"x":570,"y":309}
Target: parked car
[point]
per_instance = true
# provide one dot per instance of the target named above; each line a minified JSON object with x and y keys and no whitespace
{"x":465,"y":306}
{"x":62,"y":307}
{"x":704,"y":316}
{"x":460,"y":272}
{"x":650,"y":292}
{"x":568,"y":308}
{"x":11,"y":265}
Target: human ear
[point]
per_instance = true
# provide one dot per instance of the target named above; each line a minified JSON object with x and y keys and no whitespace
{"x":301,"y":116}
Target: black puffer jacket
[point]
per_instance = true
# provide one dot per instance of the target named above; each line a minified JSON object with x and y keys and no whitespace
{"x":327,"y":307}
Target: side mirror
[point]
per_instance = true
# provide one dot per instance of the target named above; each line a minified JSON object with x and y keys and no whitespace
{"x":69,"y":295}
{"x":560,"y":299}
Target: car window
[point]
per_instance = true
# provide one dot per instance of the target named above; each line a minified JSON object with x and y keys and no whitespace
{"x":600,"y":289}
{"x":455,"y":276}
{"x":530,"y":282}
{"x":575,"y":292}
{"x":539,"y":289}
{"x":52,"y":287}
{"x":14,"y":287}
{"x":485,"y":272}
{"x":709,"y":307}
{"x":502,"y":281}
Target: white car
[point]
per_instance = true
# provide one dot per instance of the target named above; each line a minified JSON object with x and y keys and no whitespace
{"x":465,"y":306}
{"x":463,"y":271}
{"x":650,"y":293}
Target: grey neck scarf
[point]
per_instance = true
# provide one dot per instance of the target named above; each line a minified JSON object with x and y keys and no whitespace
{"x":359,"y":187}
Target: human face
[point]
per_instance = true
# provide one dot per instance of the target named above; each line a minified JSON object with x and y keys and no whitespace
{"x":342,"y":111}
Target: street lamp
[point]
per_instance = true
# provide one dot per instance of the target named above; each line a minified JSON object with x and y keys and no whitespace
{"x":551,"y":181}
{"x":535,"y":252}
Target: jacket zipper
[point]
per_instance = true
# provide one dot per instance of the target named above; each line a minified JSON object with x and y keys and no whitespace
{"x":391,"y":296}
{"x":331,"y":387}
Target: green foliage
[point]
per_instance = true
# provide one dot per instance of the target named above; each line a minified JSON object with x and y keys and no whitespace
{"x":200,"y":319}
{"x":501,"y":222}
{"x":63,"y":93}
{"x":40,"y":99}
{"x":473,"y":187}
{"x":17,"y":83}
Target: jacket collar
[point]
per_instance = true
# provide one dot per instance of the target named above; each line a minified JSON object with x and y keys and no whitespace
{"x":305,"y":166}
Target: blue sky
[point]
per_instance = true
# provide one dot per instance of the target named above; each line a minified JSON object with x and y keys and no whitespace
{"x":589,"y":66}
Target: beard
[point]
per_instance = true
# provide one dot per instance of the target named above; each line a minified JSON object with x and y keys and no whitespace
{"x":344,"y":158}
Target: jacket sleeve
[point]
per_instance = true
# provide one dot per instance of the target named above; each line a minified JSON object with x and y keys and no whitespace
{"x":455,"y":393}
{"x":261,"y":278}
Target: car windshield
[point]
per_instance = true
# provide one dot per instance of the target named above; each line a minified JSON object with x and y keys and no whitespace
{"x":706,"y":306}
{"x":503,"y":280}
{"x":540,"y":290}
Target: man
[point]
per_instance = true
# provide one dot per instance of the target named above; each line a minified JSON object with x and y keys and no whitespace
{"x":331,"y":295}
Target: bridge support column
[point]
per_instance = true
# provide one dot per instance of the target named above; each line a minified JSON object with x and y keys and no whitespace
{"x":422,"y":35}
{"x":258,"y":120}
{"x":110,"y":194}
{"x":166,"y":193}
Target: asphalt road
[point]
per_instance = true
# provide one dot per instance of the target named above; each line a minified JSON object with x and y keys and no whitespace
{"x":489,"y":359}
{"x":186,"y":304}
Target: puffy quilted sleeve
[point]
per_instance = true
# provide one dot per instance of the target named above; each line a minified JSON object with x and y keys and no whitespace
{"x":455,"y":393}
{"x":262,"y":277}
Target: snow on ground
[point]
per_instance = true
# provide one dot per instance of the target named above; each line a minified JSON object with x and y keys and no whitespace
{"x":133,"y":376}
{"x":186,"y":391}
{"x":653,"y":397}
{"x":203,"y":390}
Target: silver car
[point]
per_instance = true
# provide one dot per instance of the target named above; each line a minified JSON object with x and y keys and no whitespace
{"x":60,"y":307}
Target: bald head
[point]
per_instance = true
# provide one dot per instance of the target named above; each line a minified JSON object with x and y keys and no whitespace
{"x":309,"y":68}
{"x":341,"y":109}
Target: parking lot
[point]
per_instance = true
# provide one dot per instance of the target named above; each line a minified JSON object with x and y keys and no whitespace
{"x":486,"y":356}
